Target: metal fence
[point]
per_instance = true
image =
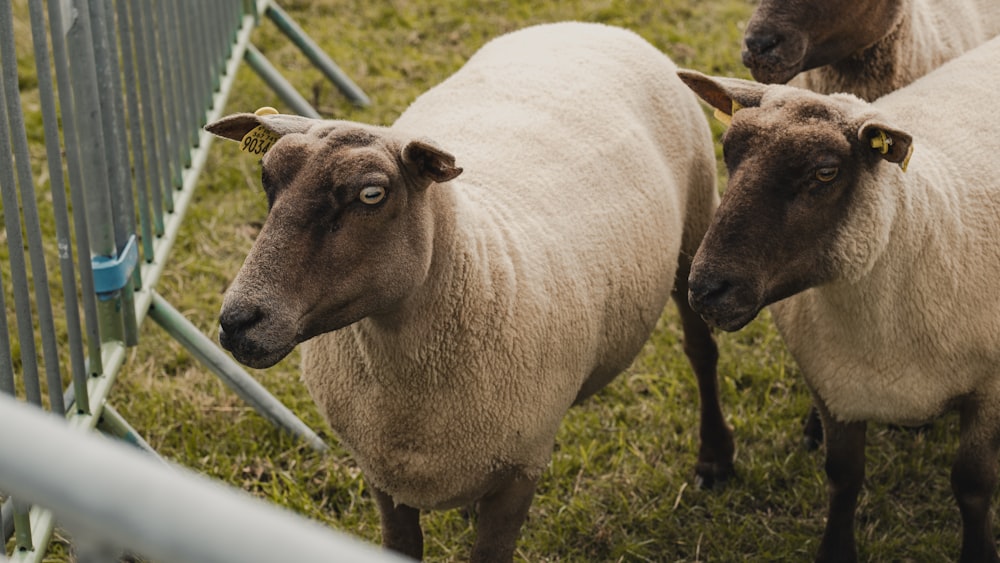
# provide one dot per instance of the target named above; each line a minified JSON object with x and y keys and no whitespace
{"x":124,"y":89}
{"x":118,"y":500}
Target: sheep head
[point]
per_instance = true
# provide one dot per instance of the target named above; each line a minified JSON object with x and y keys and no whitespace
{"x":348,"y":231}
{"x":786,"y":37}
{"x":802,"y":207}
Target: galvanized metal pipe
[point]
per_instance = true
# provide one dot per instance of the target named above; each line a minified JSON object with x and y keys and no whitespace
{"x":12,"y":219}
{"x":318,"y":56}
{"x":32,"y":223}
{"x":59,"y":17}
{"x":273,"y":78}
{"x":140,"y":177}
{"x":153,"y":152}
{"x":117,"y":495}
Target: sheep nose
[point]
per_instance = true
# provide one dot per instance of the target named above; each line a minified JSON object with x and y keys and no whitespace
{"x":760,"y":43}
{"x":704,"y":294}
{"x":235,"y":320}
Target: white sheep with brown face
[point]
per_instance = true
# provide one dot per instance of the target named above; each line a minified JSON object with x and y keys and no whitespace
{"x":450,"y":309}
{"x":882,"y":282}
{"x":863,"y":47}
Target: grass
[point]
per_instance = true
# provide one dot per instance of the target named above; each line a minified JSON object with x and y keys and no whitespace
{"x":620,"y":485}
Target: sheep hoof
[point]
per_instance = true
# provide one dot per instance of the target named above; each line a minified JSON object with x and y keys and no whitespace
{"x":709,"y":475}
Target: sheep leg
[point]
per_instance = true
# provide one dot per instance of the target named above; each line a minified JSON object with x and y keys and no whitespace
{"x":400,"y":526}
{"x":973,"y":481}
{"x":812,"y":430}
{"x":845,"y":471}
{"x":715,"y":454}
{"x":501,"y":515}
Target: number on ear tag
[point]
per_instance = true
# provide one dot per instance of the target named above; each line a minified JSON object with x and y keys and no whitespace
{"x":258,"y":141}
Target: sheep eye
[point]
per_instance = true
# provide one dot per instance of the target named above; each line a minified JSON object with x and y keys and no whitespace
{"x":372,"y":194}
{"x":826,"y":174}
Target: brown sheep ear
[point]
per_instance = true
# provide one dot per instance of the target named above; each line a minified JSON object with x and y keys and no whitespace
{"x":892,"y":144}
{"x":237,"y":125}
{"x":430,"y":161}
{"x":233,"y":127}
{"x":256,"y":132}
{"x":726,"y":95}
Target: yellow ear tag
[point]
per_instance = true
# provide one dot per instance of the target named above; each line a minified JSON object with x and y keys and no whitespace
{"x":258,"y":140}
{"x":727,"y":119}
{"x":906,"y":160}
{"x":882,"y":142}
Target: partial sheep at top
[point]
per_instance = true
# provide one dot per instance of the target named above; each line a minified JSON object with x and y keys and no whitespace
{"x":461,"y":278}
{"x":864,"y":47}
{"x":880,"y":269}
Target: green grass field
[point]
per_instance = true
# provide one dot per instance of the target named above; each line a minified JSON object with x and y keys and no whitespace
{"x":620,"y":486}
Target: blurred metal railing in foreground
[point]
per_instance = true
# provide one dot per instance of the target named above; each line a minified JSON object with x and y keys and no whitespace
{"x":114,"y":498}
{"x":136,"y":81}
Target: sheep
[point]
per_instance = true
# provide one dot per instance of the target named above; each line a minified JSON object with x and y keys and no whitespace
{"x":880,"y":271}
{"x":452,"y":306}
{"x":864,"y":47}
{"x":868,"y":48}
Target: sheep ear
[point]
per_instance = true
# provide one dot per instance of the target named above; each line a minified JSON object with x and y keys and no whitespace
{"x":726,"y":95}
{"x":892,"y":144}
{"x":430,"y":161}
{"x":256,"y":132}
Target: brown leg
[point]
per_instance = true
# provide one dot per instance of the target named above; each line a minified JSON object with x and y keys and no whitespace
{"x":501,"y":515}
{"x":845,"y":471}
{"x":812,"y":430}
{"x":715,"y":455}
{"x":973,"y":480}
{"x":400,"y":526}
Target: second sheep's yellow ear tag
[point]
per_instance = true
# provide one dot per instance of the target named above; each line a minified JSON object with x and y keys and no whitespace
{"x":727,"y":119}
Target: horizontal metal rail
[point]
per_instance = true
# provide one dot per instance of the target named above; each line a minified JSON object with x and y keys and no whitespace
{"x":116,"y":497}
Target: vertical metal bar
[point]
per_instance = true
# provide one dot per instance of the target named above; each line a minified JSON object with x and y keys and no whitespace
{"x":60,"y":18}
{"x":184,"y":112}
{"x":202,"y":53}
{"x":171,"y":100}
{"x":122,"y":210}
{"x":273,"y":78}
{"x":140,"y":178}
{"x":96,"y":151}
{"x":192,"y":117}
{"x":12,"y":220}
{"x":146,"y":58}
{"x":9,"y":520}
{"x":319,"y":58}
{"x":6,"y":356}
{"x":156,"y":102}
{"x":6,"y":521}
{"x":57,"y":181}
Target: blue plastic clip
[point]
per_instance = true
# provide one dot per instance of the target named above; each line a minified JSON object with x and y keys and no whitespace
{"x":112,"y":274}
